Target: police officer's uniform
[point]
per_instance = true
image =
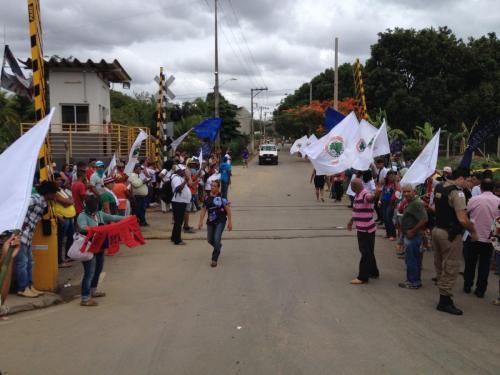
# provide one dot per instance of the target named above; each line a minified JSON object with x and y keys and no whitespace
{"x":447,"y":238}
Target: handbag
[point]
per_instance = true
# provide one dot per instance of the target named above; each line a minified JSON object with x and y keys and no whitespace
{"x":75,"y":251}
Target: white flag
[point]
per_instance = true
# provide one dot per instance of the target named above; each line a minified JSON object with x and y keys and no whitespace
{"x":381,"y":144}
{"x":111,"y":166}
{"x":18,"y":165}
{"x":304,"y":149}
{"x":134,"y":152}
{"x":298,"y":144}
{"x":371,"y":142}
{"x":424,"y":165}
{"x":179,"y":140}
{"x":334,"y":152}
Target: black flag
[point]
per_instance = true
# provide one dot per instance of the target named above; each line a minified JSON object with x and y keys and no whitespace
{"x":480,"y":135}
{"x":15,"y":82}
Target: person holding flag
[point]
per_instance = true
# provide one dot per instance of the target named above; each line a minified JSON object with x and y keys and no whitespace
{"x":362,"y":217}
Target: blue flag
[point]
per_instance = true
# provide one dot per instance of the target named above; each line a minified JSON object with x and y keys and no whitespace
{"x":332,"y":118}
{"x":208,"y":129}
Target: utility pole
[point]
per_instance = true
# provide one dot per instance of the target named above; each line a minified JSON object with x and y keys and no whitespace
{"x":336,"y":83}
{"x":310,"y":92}
{"x":252,"y":129}
{"x":216,"y":87}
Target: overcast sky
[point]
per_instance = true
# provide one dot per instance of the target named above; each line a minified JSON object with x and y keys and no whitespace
{"x":278,"y":44}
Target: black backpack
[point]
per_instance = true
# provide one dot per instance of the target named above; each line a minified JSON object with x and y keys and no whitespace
{"x":166,"y":193}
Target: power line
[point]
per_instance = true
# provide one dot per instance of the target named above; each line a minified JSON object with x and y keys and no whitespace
{"x":242,"y":62}
{"x":245,"y":40}
{"x":246,"y":65}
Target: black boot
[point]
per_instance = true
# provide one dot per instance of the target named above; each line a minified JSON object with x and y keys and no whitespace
{"x":446,"y":304}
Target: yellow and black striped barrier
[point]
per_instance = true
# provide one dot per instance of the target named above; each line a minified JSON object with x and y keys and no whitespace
{"x":360,"y":90}
{"x":45,"y":270}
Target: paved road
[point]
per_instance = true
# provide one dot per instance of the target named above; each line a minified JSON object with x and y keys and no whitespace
{"x":279,"y":303}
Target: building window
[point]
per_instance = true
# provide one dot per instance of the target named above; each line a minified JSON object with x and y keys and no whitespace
{"x":72,"y":114}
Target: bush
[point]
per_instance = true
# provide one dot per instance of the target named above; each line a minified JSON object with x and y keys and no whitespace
{"x":411,"y":149}
{"x":237,"y":145}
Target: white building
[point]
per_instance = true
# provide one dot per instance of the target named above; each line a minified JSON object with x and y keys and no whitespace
{"x":80,"y":92}
{"x":243,"y":116}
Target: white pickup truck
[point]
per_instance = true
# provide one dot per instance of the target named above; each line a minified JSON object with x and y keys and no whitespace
{"x":268,"y":153}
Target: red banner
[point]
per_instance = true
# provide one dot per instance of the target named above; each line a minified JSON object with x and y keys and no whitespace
{"x":126,"y":231}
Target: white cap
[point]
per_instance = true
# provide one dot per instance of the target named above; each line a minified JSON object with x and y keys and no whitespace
{"x":447,"y":170}
{"x":180,"y":167}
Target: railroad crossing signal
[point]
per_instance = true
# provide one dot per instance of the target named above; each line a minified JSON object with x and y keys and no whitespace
{"x":162,"y":128}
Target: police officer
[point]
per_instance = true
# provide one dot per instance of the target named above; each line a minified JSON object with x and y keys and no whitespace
{"x":451,"y":220}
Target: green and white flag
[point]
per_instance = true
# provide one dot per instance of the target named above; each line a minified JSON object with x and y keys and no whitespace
{"x":371,"y":142}
{"x":336,"y":151}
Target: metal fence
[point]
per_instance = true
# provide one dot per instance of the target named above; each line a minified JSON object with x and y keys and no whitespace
{"x":71,"y":143}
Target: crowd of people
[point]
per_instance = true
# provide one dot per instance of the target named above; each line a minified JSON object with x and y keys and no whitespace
{"x":92,"y":194}
{"x":454,"y":213}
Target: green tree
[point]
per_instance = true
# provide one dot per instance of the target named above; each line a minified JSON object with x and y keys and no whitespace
{"x":430,"y":75}
{"x":425,"y":132}
{"x":137,"y":110}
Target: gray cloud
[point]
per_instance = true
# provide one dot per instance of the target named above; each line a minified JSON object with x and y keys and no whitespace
{"x":290,"y":40}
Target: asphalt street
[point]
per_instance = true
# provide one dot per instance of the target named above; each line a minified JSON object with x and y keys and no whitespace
{"x":279,"y":302}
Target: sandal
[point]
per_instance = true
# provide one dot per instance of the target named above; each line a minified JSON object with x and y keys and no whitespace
{"x":98,"y":295}
{"x":89,"y":303}
{"x":496,"y":302}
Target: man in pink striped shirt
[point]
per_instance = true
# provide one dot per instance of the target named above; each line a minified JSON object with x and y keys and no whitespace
{"x":362,"y":217}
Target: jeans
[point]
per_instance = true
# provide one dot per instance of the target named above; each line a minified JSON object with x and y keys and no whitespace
{"x":214,"y":237}
{"x":367,"y":264}
{"x":178,"y":210}
{"x":388,"y":214}
{"x":23,"y":269}
{"x":65,"y":228}
{"x":91,"y":271}
{"x":478,"y":255}
{"x":413,"y":259}
{"x":140,"y":208}
{"x":224,"y":189}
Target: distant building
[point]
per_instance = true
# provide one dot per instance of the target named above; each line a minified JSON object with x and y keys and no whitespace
{"x":243,"y":116}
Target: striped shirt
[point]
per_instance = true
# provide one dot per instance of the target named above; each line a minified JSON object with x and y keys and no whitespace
{"x":362,"y":212}
{"x":36,"y":209}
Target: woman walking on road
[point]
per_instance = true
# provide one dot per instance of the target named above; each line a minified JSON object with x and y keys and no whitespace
{"x":319,"y":185}
{"x":219,"y":213}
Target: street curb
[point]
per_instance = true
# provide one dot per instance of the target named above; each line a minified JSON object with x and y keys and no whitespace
{"x":47,"y":300}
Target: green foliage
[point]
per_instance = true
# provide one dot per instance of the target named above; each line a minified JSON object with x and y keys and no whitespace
{"x":394,"y":134}
{"x":425,"y":132}
{"x":411,"y":149}
{"x":430,"y":75}
{"x":139,"y":110}
{"x":13,"y":111}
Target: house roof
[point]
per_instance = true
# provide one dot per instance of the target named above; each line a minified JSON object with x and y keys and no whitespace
{"x":112,"y":71}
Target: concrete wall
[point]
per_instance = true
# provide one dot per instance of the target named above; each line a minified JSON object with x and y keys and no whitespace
{"x":80,"y":88}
